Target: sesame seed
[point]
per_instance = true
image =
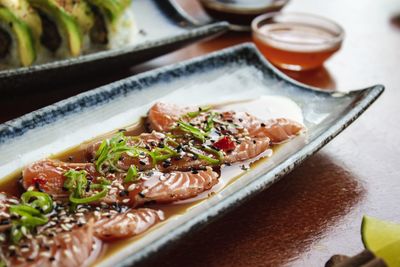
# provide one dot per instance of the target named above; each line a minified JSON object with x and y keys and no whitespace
{"x":132,"y":187}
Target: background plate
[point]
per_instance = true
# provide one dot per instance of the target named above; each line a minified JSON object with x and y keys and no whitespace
{"x":239,"y":72}
{"x":162,"y":30}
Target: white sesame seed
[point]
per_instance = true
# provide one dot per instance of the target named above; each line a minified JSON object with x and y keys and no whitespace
{"x":132,"y":187}
{"x":45,"y":254}
{"x":14,"y":201}
{"x":64,"y":227}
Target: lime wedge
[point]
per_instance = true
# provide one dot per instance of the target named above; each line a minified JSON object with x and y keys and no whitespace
{"x":382,"y":238}
{"x":390,"y":254}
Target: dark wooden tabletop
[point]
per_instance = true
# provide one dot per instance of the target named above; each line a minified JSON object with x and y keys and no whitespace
{"x":316,"y":210}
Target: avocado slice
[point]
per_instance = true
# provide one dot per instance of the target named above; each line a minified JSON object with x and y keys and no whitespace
{"x":23,"y":36}
{"x":112,"y":9}
{"x":106,"y":14}
{"x":66,"y":24}
{"x":81,"y":11}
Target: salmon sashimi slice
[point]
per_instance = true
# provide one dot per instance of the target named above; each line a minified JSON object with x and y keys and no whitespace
{"x":127,"y":224}
{"x":278,"y":130}
{"x":248,"y":149}
{"x":183,"y":158}
{"x":67,"y":249}
{"x":149,"y":186}
{"x":174,"y":186}
{"x":48,"y":175}
{"x":165,"y":116}
{"x":162,"y":116}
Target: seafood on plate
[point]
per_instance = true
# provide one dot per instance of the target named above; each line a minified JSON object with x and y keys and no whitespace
{"x":69,"y":209}
{"x":37,"y":31}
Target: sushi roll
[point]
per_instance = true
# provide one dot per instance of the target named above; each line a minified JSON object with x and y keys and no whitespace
{"x":65,"y":23}
{"x":38,"y":31}
{"x":20,"y":27}
{"x":114,"y":25}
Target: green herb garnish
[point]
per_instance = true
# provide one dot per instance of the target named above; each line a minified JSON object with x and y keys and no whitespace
{"x":111,"y":150}
{"x":196,"y":132}
{"x":132,"y":175}
{"x":210,"y":122}
{"x":31,"y":213}
{"x":194,"y":114}
{"x":206,"y":158}
{"x":77,"y":184}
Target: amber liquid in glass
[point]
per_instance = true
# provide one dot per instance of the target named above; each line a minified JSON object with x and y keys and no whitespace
{"x":295,"y":46}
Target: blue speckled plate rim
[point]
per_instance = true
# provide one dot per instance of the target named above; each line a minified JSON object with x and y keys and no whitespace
{"x":22,"y":125}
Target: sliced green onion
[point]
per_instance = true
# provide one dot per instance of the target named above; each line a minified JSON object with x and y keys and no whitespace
{"x":194,"y":114}
{"x":16,"y":233}
{"x":218,"y":153}
{"x":201,"y":156}
{"x":42,"y":200}
{"x":161,"y":154}
{"x":132,"y":174}
{"x":111,"y":150}
{"x":196,"y":132}
{"x":23,"y":209}
{"x":30,"y":213}
{"x":93,"y":198}
{"x":210,"y":122}
{"x":76,"y":182}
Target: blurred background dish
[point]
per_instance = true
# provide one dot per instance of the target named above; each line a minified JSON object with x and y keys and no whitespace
{"x":296,"y":41}
{"x":160,"y":30}
{"x":240,"y":13}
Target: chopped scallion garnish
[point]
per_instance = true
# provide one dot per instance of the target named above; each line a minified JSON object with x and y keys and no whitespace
{"x":196,"y":132}
{"x":194,"y":114}
{"x":132,"y":175}
{"x":77,"y":183}
{"x":30,"y":213}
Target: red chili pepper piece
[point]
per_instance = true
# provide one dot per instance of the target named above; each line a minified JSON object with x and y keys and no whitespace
{"x":39,"y":180}
{"x":225,"y":144}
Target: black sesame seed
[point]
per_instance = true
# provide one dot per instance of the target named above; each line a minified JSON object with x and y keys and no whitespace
{"x":195,"y":172}
{"x":161,"y":145}
{"x":52,"y":259}
{"x":4,"y":222}
{"x":123,"y":193}
{"x":141,"y":162}
{"x":263,"y":124}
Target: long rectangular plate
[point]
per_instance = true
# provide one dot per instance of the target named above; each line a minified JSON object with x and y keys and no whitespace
{"x":161,"y":28}
{"x":235,"y":73}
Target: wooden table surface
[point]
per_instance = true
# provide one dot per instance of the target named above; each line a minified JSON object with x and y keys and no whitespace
{"x":316,"y":210}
